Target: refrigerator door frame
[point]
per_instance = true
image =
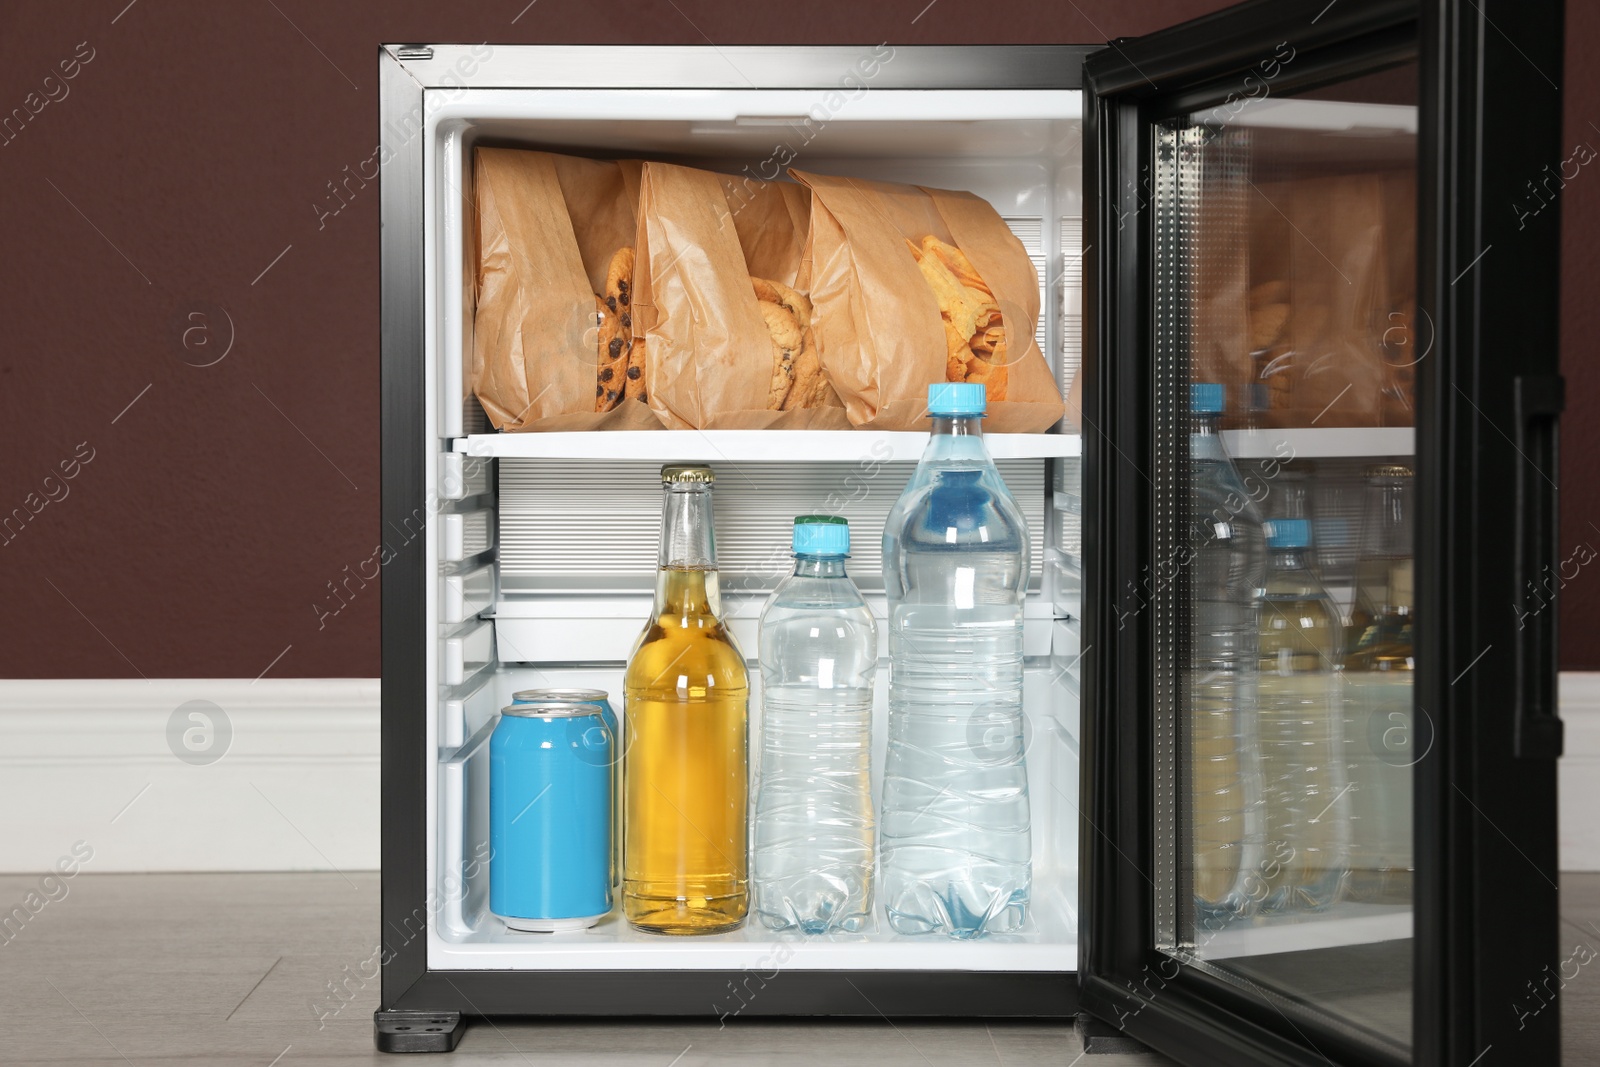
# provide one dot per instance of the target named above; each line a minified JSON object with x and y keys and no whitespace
{"x":409,"y":985}
{"x":1486,"y":920}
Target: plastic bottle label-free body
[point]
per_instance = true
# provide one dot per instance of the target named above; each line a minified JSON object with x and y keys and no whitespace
{"x":685,"y":725}
{"x":1384,"y":735}
{"x":956,"y":837}
{"x":1226,"y":570}
{"x":1301,"y":716}
{"x":812,"y":864}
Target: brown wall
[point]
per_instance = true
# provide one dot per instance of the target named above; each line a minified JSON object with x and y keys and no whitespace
{"x":189,"y":152}
{"x":1580,"y":323}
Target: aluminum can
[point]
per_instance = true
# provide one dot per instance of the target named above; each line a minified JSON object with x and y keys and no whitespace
{"x":600,"y":699}
{"x":550,"y":820}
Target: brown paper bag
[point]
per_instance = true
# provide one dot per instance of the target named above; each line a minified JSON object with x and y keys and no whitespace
{"x":1219,"y":277}
{"x":1074,"y":405}
{"x":548,"y":226}
{"x":1406,"y":338}
{"x":879,"y":326}
{"x":710,"y":357}
{"x":1302,"y":295}
{"x":1339,"y":292}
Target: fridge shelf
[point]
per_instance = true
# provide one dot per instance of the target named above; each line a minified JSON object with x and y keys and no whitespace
{"x":1346,"y":924}
{"x":1049,"y":942}
{"x":541,"y":629}
{"x":1313,"y":442}
{"x":752,"y":446}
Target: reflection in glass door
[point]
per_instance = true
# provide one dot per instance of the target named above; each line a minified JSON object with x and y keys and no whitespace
{"x":1285,"y":343}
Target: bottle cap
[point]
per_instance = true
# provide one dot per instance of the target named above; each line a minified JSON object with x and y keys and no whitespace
{"x":949,"y":399}
{"x":1288,"y":533}
{"x":1206,"y":398}
{"x":821,"y":535}
{"x":677,"y":473}
{"x":1388,"y":471}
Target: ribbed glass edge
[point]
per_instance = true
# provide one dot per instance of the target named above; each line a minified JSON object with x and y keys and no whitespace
{"x":1171,"y":925}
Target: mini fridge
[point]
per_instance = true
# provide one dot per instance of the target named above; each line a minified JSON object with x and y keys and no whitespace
{"x":1339,"y":212}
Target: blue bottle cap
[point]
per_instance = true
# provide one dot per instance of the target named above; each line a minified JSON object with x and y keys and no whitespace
{"x":821,"y":535}
{"x":1288,"y":533}
{"x":950,"y":399}
{"x":1206,"y":398}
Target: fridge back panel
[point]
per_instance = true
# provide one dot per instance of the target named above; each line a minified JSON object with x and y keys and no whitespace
{"x":581,"y":526}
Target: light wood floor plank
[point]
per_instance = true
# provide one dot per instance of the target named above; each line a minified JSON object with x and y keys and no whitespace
{"x":237,"y":969}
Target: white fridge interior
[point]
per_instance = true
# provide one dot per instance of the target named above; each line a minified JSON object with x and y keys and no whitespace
{"x":544,"y":544}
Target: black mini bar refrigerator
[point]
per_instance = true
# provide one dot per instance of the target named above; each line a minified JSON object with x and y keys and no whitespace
{"x":1310,"y":204}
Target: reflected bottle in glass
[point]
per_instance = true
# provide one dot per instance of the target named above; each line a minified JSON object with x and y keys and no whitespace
{"x":1300,"y":722}
{"x":1382,"y":734}
{"x":1289,"y":494}
{"x":811,"y":869}
{"x":1227,"y":567}
{"x":685,"y":728}
{"x":956,"y":837}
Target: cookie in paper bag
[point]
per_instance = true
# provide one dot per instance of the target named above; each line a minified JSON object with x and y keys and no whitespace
{"x":975,"y":345}
{"x":798,"y":381}
{"x":912,"y":286}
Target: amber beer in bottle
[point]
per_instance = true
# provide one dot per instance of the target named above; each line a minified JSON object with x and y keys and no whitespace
{"x":686,"y":717}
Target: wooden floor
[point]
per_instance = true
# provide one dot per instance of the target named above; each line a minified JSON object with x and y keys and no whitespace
{"x":236,"y":970}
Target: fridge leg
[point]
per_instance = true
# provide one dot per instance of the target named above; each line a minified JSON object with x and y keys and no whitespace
{"x":1100,"y":1037}
{"x":417,"y":1031}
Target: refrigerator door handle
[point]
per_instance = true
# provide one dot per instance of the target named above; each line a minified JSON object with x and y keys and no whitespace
{"x":1538,"y":400}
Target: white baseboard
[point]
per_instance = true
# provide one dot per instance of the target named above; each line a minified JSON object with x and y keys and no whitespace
{"x":1579,"y":771}
{"x":297,"y":788}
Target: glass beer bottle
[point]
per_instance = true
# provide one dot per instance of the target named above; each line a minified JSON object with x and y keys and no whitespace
{"x":685,"y":722}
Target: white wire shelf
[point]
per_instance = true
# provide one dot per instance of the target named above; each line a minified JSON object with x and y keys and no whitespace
{"x":1321,"y":443}
{"x":752,"y":446}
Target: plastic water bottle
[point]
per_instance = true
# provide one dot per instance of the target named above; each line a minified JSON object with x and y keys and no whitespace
{"x":1227,"y":568}
{"x":813,"y":823}
{"x":956,"y":842}
{"x":1301,"y":723}
{"x":1382,"y":734}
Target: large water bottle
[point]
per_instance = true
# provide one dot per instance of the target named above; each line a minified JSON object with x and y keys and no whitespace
{"x":956,"y":842}
{"x":1300,"y":718}
{"x":812,"y":868}
{"x":1227,"y":566}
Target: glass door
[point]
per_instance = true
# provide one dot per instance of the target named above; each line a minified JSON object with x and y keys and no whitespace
{"x":1319,"y":446}
{"x":1284,"y":285}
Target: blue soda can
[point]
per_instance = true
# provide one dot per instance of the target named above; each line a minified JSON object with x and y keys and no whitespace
{"x":600,"y":699}
{"x":550,"y":817}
